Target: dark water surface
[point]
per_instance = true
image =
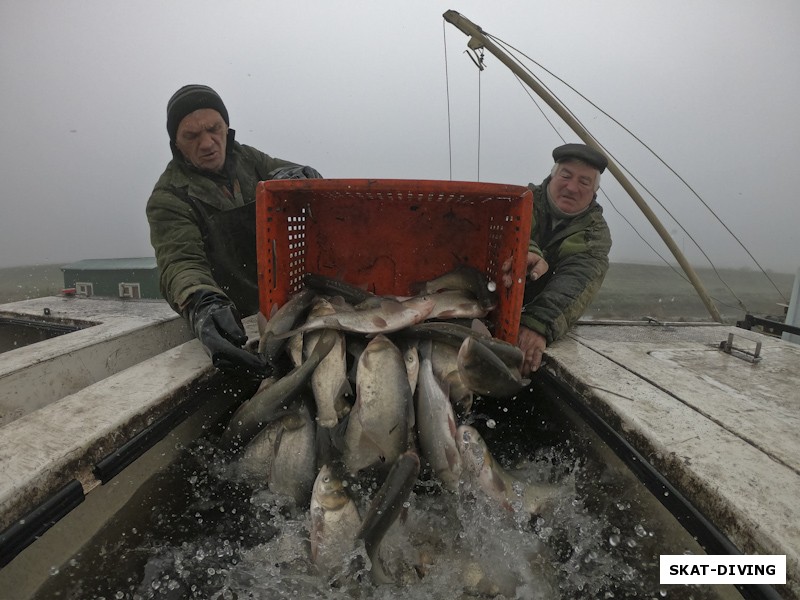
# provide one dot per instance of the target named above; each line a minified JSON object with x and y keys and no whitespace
{"x":196,"y":530}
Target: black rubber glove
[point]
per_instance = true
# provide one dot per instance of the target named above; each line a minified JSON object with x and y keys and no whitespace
{"x":216,"y":323}
{"x":294,"y":172}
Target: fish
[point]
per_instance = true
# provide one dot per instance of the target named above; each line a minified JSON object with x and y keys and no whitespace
{"x":510,"y":492}
{"x":329,"y":381}
{"x":411,"y":360}
{"x":385,"y":507}
{"x":255,"y":463}
{"x":436,"y":427}
{"x":281,"y":320}
{"x":484,"y":373}
{"x":444,"y":363}
{"x":337,"y":287}
{"x":294,"y":464}
{"x":335,"y":522}
{"x":274,"y":400}
{"x":377,"y":427}
{"x":388,"y":316}
{"x":463,"y":277}
{"x":456,"y":304}
{"x":455,"y":334}
{"x":294,"y":349}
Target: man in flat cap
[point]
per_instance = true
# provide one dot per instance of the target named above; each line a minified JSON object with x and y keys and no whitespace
{"x":568,"y":251}
{"x":202,"y":224}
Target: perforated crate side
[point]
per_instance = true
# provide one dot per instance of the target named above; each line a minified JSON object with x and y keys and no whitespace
{"x":387,"y":234}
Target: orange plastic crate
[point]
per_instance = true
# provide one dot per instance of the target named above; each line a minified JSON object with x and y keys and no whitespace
{"x":386,"y":234}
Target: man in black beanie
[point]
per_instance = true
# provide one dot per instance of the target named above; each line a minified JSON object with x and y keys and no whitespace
{"x":202,"y":224}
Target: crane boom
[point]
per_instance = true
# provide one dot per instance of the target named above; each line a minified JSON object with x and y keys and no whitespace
{"x":478,"y":39}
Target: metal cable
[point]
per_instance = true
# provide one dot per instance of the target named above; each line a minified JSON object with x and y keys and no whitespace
{"x":509,"y":48}
{"x":447,"y":87}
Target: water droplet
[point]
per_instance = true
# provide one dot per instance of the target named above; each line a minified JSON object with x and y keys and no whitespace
{"x":662,"y":592}
{"x":491,"y":423}
{"x":631,"y":543}
{"x":492,"y":286}
{"x":53,"y":571}
{"x":614,"y":540}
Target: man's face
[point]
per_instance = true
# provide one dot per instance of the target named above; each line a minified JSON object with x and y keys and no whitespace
{"x":202,"y":137}
{"x":572,"y":186}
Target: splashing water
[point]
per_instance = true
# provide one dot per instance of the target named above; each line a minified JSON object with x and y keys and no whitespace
{"x":197,"y":530}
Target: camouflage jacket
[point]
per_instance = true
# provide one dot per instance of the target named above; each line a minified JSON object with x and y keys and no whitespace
{"x":182,"y":199}
{"x":577,"y":252}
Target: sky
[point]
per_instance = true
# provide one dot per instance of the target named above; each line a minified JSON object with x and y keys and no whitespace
{"x":385,"y":89}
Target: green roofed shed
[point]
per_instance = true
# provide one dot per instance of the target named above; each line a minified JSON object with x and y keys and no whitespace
{"x":113,"y":277}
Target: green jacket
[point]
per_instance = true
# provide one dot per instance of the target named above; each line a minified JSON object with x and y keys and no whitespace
{"x":576,"y":250}
{"x":179,"y":207}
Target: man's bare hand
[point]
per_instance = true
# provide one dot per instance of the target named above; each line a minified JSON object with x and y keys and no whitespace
{"x":532,"y":345}
{"x":536,"y":266}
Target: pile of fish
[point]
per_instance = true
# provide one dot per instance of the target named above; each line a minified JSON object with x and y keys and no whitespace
{"x":379,"y":388}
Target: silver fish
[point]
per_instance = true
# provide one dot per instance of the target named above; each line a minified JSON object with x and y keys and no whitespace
{"x":456,"y":304}
{"x":455,"y":334}
{"x":463,"y":277}
{"x":512,"y":493}
{"x":436,"y":425}
{"x":444,"y":362}
{"x":335,"y":522}
{"x":484,"y":373}
{"x":385,"y":507}
{"x":337,"y":287}
{"x":294,"y":348}
{"x":329,"y":381}
{"x":256,"y":461}
{"x":281,"y":320}
{"x":411,"y":360}
{"x":377,"y":428}
{"x":276,"y":399}
{"x":388,"y":316}
{"x":294,"y":465}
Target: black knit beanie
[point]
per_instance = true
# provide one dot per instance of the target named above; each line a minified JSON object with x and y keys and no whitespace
{"x":189,"y":99}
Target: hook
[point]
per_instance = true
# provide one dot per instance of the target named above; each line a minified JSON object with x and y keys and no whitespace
{"x":476,"y":57}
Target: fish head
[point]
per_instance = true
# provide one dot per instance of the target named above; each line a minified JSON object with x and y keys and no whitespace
{"x":330,"y":491}
{"x":475,"y":456}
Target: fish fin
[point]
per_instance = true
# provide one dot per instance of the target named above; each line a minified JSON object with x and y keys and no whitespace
{"x":273,"y":310}
{"x":339,"y":303}
{"x":418,"y":287}
{"x":480,"y":327}
{"x":262,"y":323}
{"x":425,"y":349}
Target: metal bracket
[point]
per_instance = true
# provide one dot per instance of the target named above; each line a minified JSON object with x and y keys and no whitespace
{"x":728,"y":347}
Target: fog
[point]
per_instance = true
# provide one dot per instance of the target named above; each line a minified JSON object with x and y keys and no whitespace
{"x":360,"y":89}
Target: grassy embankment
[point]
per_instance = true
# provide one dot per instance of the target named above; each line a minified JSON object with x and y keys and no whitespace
{"x":630,"y":291}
